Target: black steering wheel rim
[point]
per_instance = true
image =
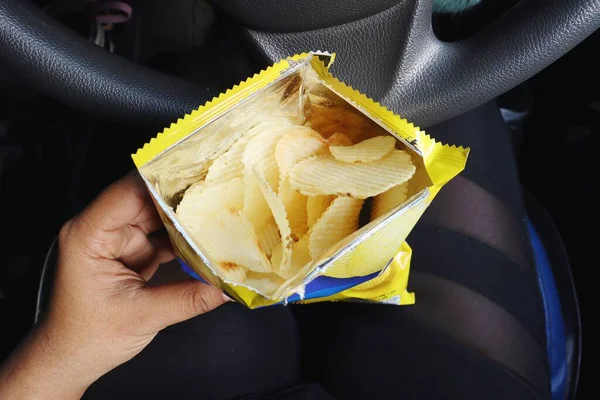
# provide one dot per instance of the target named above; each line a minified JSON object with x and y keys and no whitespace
{"x":412,"y":72}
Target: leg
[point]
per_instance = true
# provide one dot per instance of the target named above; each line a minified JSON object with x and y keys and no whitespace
{"x":226,"y":353}
{"x":477,"y":329}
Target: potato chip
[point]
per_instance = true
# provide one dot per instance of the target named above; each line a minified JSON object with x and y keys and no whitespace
{"x":231,"y":271}
{"x":255,"y":204}
{"x":368,"y":150}
{"x":320,"y":175}
{"x":300,"y":257}
{"x":268,"y":236}
{"x":316,"y":206}
{"x":277,"y":254}
{"x":260,"y":151}
{"x":278,"y":210}
{"x":388,"y":200}
{"x":338,"y":221}
{"x":295,"y":207}
{"x":195,"y":188}
{"x":329,"y":120}
{"x":339,"y":139}
{"x":264,"y":283}
{"x":229,"y":240}
{"x":296,"y":145}
{"x":229,"y":165}
{"x":202,"y":199}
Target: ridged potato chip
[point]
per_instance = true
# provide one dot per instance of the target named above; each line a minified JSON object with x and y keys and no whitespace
{"x":388,"y":200}
{"x":296,"y":145}
{"x":316,"y":206}
{"x":229,"y":239}
{"x":320,"y":175}
{"x":278,"y":210}
{"x":255,"y":204}
{"x":339,"y":139}
{"x":260,"y":151}
{"x":295,"y":207}
{"x":202,"y":199}
{"x":338,"y":221}
{"x":277,"y":255}
{"x":268,"y":236}
{"x":229,"y":165}
{"x":264,"y":283}
{"x":329,"y":120}
{"x":368,"y":150}
{"x":300,"y":257}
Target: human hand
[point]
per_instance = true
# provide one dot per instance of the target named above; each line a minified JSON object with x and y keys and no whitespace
{"x":102,"y":312}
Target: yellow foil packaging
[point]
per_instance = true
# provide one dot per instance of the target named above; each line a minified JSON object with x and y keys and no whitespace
{"x":371,"y":264}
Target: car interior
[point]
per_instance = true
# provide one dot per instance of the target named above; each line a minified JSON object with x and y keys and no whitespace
{"x":86,"y":83}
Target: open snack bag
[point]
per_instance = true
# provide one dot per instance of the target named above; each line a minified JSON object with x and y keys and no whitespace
{"x":293,"y":187}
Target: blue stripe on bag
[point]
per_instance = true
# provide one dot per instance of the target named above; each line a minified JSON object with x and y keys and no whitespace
{"x":322,"y":286}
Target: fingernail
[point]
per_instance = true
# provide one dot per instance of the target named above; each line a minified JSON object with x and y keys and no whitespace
{"x":227,"y":298}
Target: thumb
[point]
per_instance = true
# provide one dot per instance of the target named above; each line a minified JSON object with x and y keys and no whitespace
{"x":172,"y":303}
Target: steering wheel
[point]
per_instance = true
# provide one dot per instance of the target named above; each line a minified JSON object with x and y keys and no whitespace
{"x":386,"y":48}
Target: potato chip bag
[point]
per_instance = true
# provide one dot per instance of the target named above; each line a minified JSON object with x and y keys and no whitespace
{"x":294,"y":187}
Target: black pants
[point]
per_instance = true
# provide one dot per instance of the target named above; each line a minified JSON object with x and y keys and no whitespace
{"x":477,"y":330}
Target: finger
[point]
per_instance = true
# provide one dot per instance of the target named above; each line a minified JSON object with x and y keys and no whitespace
{"x":140,"y":251}
{"x":125,"y":202}
{"x":162,"y":252}
{"x":172,"y":303}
